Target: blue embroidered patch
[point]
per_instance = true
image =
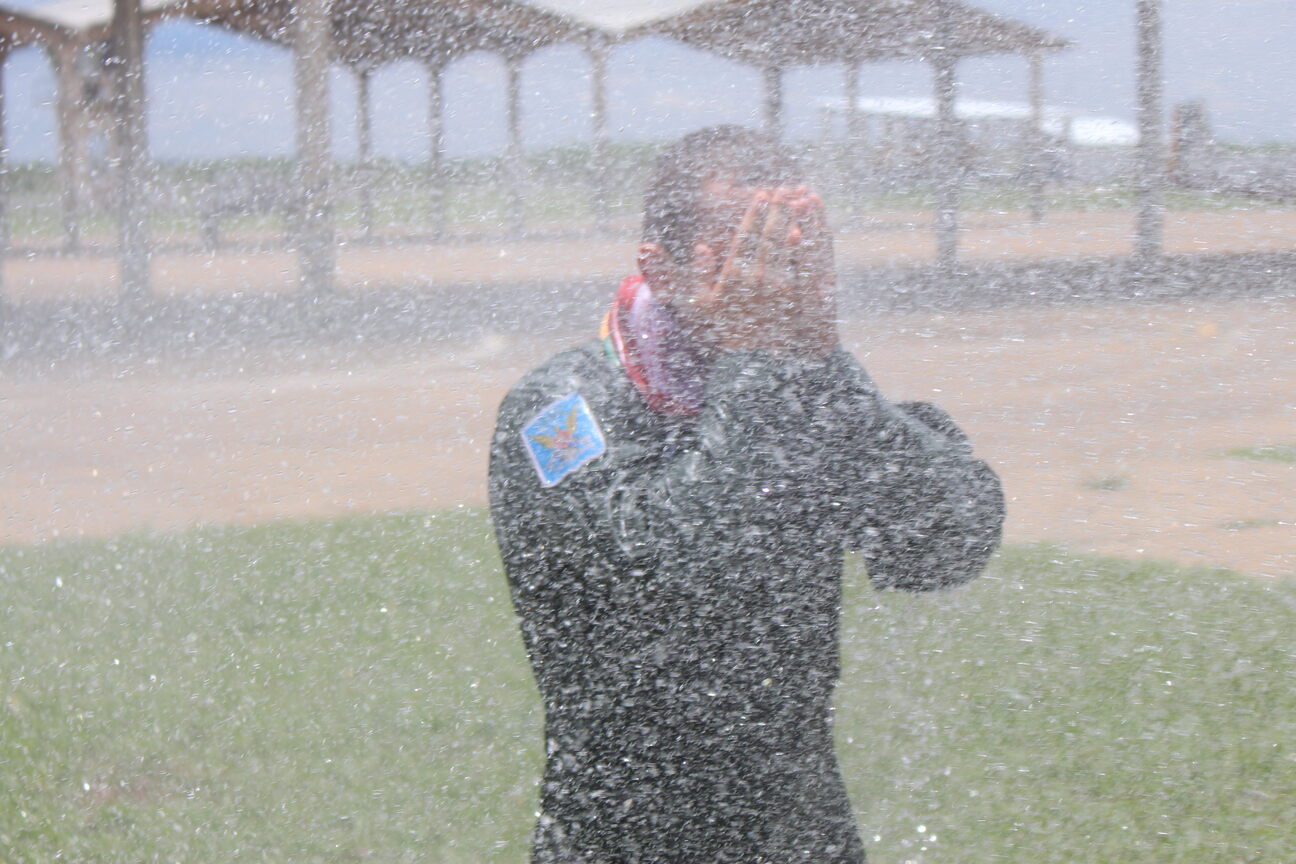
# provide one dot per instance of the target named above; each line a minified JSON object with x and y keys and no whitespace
{"x":563,"y":437}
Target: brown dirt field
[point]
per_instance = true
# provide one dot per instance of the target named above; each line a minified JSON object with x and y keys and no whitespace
{"x":886,"y":239}
{"x":1105,"y":422}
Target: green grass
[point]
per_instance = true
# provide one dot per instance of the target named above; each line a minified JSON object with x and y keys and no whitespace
{"x":1011,"y":198}
{"x":1250,"y":524}
{"x":1263,"y":453}
{"x":557,"y":194}
{"x":1106,"y":483}
{"x":356,"y":690}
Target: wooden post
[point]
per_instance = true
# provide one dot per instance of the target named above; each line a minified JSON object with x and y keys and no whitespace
{"x":1035,"y":149}
{"x":436,"y":146}
{"x":947,"y":166}
{"x":364,"y":149}
{"x":132,"y":143}
{"x":598,"y":53}
{"x":773,"y":100}
{"x":5,"y":47}
{"x":853,"y":131}
{"x":854,"y":150}
{"x":312,"y":54}
{"x":1149,"y":230}
{"x":71,"y":132}
{"x":515,"y":168}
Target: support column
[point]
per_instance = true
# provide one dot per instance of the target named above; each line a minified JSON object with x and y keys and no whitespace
{"x":133,"y":181}
{"x":1035,"y":140}
{"x":1149,"y":229}
{"x":854,"y":130}
{"x":773,"y":100}
{"x":72,"y":135}
{"x":364,"y":150}
{"x":948,"y":170}
{"x":5,"y":47}
{"x":436,"y":147}
{"x":598,"y":54}
{"x":312,"y":50}
{"x":515,"y":167}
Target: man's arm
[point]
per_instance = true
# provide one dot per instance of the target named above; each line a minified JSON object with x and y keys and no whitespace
{"x":922,"y":509}
{"x":925,"y":512}
{"x":789,"y":454}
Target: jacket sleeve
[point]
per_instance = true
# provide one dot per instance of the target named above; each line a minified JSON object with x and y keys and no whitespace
{"x":923,"y":511}
{"x":791,"y":454}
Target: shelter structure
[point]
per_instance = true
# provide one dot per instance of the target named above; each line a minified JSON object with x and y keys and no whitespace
{"x":772,"y":35}
{"x":775,"y":35}
{"x":16,"y":30}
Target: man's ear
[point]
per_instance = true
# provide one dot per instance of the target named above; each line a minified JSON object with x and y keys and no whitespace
{"x":657,"y":268}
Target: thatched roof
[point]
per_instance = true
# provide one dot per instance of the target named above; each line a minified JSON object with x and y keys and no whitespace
{"x":760,"y":32}
{"x":807,"y":32}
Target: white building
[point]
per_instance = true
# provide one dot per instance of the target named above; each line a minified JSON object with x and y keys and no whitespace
{"x":878,"y":113}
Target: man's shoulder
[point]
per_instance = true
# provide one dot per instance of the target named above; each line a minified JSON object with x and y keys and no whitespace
{"x":585,"y":360}
{"x":583,"y":369}
{"x":571,"y":410}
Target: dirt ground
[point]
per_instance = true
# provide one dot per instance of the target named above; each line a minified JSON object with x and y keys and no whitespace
{"x":1108,"y":424}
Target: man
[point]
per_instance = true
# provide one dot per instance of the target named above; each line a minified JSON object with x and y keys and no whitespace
{"x":672,"y":503}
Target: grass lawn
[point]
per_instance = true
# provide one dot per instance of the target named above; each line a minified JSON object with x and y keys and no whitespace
{"x":355,"y":690}
{"x":1264,"y":453}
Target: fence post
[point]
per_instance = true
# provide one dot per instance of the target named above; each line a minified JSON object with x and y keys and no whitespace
{"x":598,"y":49}
{"x":364,"y":149}
{"x":5,"y":46}
{"x":436,"y":146}
{"x":1150,"y":183}
{"x":1036,"y":140}
{"x":514,"y":158}
{"x":312,"y":56}
{"x":132,"y":135}
{"x":948,"y":169}
{"x":773,"y":76}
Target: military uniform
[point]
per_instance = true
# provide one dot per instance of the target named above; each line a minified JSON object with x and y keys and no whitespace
{"x":678,"y":583}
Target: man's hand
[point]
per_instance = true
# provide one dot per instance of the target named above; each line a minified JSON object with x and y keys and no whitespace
{"x":773,"y":288}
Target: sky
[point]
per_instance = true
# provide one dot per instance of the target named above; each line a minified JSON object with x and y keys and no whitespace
{"x":213,"y":94}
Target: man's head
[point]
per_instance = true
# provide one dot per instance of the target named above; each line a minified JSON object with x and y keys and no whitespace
{"x":703,"y":182}
{"x":736,"y":245}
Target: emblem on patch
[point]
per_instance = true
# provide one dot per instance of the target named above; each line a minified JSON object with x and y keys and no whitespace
{"x":563,"y":437}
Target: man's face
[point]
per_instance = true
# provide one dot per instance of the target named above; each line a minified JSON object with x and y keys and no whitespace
{"x":721,"y":206}
{"x":761,"y":261}
{"x":759,"y":274}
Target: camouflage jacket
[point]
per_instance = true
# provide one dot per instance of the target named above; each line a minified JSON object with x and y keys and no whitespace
{"x":679,"y":584}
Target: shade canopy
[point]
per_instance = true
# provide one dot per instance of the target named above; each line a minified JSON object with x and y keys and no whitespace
{"x":779,"y":33}
{"x":86,"y":14}
{"x":18,"y":28}
{"x":373,"y":32}
{"x":617,"y":18}
{"x":59,"y":20}
{"x":786,"y":33}
{"x":365,"y":32}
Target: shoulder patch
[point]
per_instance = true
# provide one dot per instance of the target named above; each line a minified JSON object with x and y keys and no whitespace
{"x":563,"y":437}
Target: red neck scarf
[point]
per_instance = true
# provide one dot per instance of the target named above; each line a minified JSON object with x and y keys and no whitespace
{"x":643,"y":336}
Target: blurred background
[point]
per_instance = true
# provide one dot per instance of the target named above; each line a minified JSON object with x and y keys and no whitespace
{"x":268,"y":266}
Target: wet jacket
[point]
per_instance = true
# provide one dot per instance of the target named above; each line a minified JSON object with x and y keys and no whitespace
{"x":679,"y":592}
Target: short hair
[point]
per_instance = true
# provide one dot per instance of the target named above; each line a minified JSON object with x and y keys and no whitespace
{"x":671,"y":201}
